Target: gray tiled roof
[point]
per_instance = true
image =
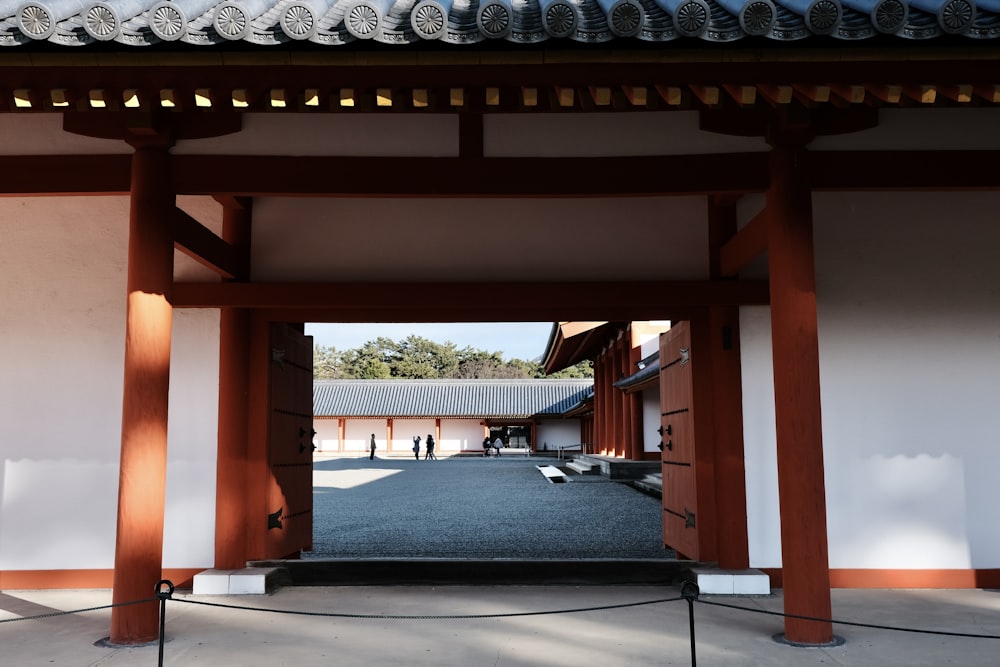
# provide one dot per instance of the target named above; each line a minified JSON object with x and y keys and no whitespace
{"x":401,"y":22}
{"x":651,"y":368}
{"x":480,"y":399}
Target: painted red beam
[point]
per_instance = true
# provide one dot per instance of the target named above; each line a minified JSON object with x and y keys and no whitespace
{"x":735,"y":173}
{"x":198,"y":242}
{"x":748,"y":243}
{"x":901,"y":170}
{"x":66,"y":174}
{"x":472,"y":302}
{"x":473,"y":176}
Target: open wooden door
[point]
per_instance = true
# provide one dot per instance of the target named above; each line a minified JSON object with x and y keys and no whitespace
{"x":289,"y":443}
{"x":677,"y":428}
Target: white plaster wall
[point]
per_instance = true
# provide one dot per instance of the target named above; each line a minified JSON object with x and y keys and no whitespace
{"x":388,"y":239}
{"x":459,"y":435}
{"x":651,"y":420}
{"x":599,"y":135}
{"x":552,"y":434}
{"x":62,"y":286}
{"x":328,"y":435}
{"x":403,"y":431}
{"x":909,"y":330}
{"x":192,"y":440}
{"x":937,"y":129}
{"x":358,"y":435}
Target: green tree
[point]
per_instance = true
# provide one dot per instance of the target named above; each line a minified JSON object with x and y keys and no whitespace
{"x":584,"y":369}
{"x":371,"y":361}
{"x":327,"y":362}
{"x":419,"y":358}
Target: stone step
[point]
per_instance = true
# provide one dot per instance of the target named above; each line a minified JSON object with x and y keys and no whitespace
{"x":583,"y":468}
{"x":391,"y":572}
{"x":713,"y":581}
{"x":247,"y":581}
{"x":651,"y":484}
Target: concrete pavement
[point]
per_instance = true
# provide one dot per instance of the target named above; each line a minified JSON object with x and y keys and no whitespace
{"x":404,"y":512}
{"x":645,"y":634}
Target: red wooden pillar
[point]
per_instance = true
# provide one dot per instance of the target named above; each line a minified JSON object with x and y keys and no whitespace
{"x":611,"y":407}
{"x":636,"y":435}
{"x":727,"y":409}
{"x":257,"y":464}
{"x":609,"y":402}
{"x":231,"y":504}
{"x":805,"y":562}
{"x":727,"y":403}
{"x":143,"y":465}
{"x":623,"y":446}
{"x":599,"y":393}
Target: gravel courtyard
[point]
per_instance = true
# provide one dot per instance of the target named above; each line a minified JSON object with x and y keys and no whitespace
{"x":474,"y":507}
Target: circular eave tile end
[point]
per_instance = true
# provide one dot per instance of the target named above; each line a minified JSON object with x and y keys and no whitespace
{"x":429,"y":20}
{"x":35,"y":21}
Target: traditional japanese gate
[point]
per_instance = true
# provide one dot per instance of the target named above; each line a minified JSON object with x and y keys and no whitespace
{"x":289,"y":443}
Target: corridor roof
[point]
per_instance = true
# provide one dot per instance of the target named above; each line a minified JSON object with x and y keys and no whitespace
{"x":476,"y":399}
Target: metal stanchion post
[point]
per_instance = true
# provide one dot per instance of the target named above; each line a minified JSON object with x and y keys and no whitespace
{"x":690,"y":591}
{"x":164,"y":589}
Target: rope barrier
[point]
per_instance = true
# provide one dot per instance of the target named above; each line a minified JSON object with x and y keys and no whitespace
{"x":76,"y":611}
{"x":875,"y":626}
{"x":420,"y":617}
{"x":689,"y":592}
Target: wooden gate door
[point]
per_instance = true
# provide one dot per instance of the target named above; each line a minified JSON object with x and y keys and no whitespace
{"x":289,"y":443}
{"x":677,"y":428}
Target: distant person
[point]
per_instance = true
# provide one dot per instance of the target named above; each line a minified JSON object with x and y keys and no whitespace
{"x":430,"y":448}
{"x":416,"y":447}
{"x":371,"y":447}
{"x":498,"y":443}
{"x":486,"y":446}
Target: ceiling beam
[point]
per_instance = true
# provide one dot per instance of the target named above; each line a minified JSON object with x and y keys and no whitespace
{"x":472,"y":301}
{"x":732,"y":173}
{"x":447,"y":176}
{"x":902,"y":170}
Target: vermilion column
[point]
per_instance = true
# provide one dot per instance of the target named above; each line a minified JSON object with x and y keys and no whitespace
{"x":598,"y":441}
{"x":617,"y":424}
{"x":805,"y":562}
{"x":142,"y":475}
{"x":727,"y":403}
{"x":636,"y":435}
{"x":231,"y":504}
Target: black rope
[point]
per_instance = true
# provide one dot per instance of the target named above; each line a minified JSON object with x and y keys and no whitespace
{"x":75,"y":611}
{"x":859,"y":625}
{"x":428,"y":617}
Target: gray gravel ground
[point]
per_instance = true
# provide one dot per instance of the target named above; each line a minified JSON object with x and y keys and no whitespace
{"x":474,"y":507}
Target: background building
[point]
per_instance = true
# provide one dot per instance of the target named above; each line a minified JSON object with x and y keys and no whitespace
{"x":458,"y":413}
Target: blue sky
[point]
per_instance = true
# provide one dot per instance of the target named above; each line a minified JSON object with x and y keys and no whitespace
{"x":514,"y":340}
